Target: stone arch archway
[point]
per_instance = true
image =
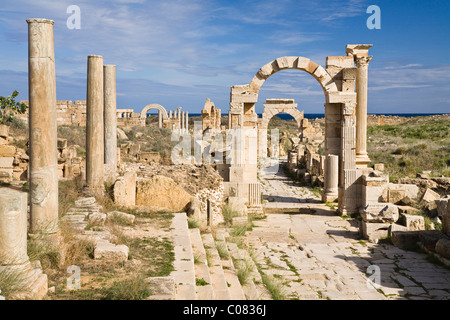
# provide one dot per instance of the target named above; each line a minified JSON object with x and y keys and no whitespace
{"x":162,"y":113}
{"x":337,"y":80}
{"x":273,"y":107}
{"x":300,"y":63}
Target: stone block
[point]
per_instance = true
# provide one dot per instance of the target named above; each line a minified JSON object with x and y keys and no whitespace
{"x":125,"y":190}
{"x":340,"y":62}
{"x":443,"y":248}
{"x":349,"y":73}
{"x":6,"y":162}
{"x":7,"y":151}
{"x":374,"y":231}
{"x":429,"y":238}
{"x":162,"y":288}
{"x":108,"y":251}
{"x":238,"y":206}
{"x":380,"y":212}
{"x":6,"y":175}
{"x":395,"y":196}
{"x":446,"y":224}
{"x":443,"y":206}
{"x":412,"y":222}
{"x":121,"y":217}
{"x":411,"y":190}
{"x":97,"y":219}
{"x":404,"y":239}
{"x":379,"y":167}
{"x":429,"y":197}
{"x":4,"y":131}
{"x":161,"y":191}
{"x":83,"y":202}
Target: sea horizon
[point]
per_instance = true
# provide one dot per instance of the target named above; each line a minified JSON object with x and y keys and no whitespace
{"x":285,"y":116}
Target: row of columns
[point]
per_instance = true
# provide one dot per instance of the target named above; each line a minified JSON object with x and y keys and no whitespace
{"x":101,"y":150}
{"x":182,"y":116}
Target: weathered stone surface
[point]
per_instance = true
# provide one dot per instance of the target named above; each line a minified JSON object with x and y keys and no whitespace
{"x":125,"y":190}
{"x":122,"y":217}
{"x":85,"y":202}
{"x":412,"y":222}
{"x":97,"y":219}
{"x":7,"y":151}
{"x":443,"y":206}
{"x":162,"y":288}
{"x":121,"y":134}
{"x":106,"y":250}
{"x":194,"y":208}
{"x":380,"y":212}
{"x":429,"y":238}
{"x":429,"y":197}
{"x":395,"y":196}
{"x":4,"y":131}
{"x":443,"y":248}
{"x":161,"y":191}
{"x":374,"y":231}
{"x":404,"y":239}
{"x":237,"y":205}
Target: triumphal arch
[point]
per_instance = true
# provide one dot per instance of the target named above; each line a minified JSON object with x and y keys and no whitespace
{"x":344,"y":84}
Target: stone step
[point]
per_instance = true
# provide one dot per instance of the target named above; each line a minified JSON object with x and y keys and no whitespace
{"x":184,"y":273}
{"x":204,"y":292}
{"x":253,"y":288}
{"x":218,"y":280}
{"x":235,"y":288}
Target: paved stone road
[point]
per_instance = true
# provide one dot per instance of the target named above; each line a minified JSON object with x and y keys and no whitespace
{"x":317,"y":255}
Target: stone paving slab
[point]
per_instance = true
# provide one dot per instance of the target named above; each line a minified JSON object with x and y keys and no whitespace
{"x":326,"y":258}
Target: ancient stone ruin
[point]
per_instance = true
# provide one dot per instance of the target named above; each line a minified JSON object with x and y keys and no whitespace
{"x":225,"y":176}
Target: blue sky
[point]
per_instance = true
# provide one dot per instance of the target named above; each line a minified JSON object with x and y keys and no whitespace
{"x":178,"y":53}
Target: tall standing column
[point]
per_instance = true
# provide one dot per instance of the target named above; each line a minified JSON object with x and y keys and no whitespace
{"x":179,"y":118}
{"x":43,"y":128}
{"x":186,"y":118}
{"x":159,"y":119}
{"x":94,"y":126}
{"x":362,"y":64}
{"x":110,"y":119}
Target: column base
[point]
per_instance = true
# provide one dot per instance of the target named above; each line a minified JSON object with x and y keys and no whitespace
{"x":329,"y":197}
{"x":362,"y":161}
{"x":29,"y":283}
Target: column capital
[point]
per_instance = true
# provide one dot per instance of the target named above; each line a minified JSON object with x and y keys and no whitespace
{"x":362,"y":61}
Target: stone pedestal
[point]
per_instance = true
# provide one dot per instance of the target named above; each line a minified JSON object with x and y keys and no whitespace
{"x":43,"y":165}
{"x":330,"y":193}
{"x":28,"y":282}
{"x":94,"y":127}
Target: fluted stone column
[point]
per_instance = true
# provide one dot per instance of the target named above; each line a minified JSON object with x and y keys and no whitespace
{"x":179,"y":118}
{"x":362,"y":64}
{"x":28,"y":283}
{"x":94,"y":126}
{"x":330,"y":193}
{"x":43,"y":128}
{"x":186,"y":118}
{"x":182,"y":121}
{"x":110,"y":120}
